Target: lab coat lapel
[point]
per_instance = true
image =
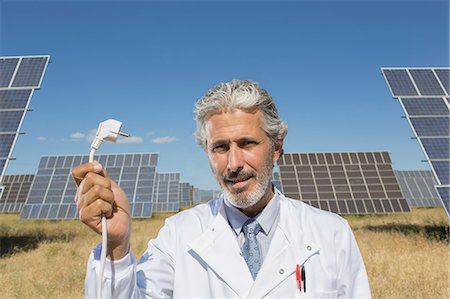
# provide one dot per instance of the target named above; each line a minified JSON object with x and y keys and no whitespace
{"x":218,"y":248}
{"x":288,"y":248}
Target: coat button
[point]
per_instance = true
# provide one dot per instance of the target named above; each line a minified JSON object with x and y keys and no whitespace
{"x":213,"y":229}
{"x":308,"y":248}
{"x":281,"y":271}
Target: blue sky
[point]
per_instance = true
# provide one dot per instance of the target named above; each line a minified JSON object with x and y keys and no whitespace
{"x":147,"y":62}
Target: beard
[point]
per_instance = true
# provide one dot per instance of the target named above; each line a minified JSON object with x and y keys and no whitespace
{"x":242,"y":198}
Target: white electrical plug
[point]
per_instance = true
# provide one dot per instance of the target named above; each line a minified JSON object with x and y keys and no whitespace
{"x":107,"y":130}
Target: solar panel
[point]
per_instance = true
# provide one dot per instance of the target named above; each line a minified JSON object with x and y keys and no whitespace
{"x":276,"y":181}
{"x":166,"y":197}
{"x":29,"y":72}
{"x":7,"y":69}
{"x":15,"y":192}
{"x":344,"y":183}
{"x":186,"y":195}
{"x":401,"y":83}
{"x":53,"y":190}
{"x":444,"y":193}
{"x":19,"y":77}
{"x":426,"y":82}
{"x":428,"y":113}
{"x":444,"y":77}
{"x":418,"y":188}
{"x":206,"y":195}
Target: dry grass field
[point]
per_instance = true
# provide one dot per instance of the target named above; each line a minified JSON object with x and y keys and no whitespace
{"x":406,"y":255}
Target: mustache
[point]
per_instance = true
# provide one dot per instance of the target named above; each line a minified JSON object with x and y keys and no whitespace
{"x":234,"y":176}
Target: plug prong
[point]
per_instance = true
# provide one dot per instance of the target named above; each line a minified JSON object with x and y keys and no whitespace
{"x":121,"y":134}
{"x":124,"y":134}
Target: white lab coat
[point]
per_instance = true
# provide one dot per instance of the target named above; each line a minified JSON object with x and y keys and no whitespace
{"x":196,"y":255}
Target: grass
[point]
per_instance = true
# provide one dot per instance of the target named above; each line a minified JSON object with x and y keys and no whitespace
{"x":406,"y":255}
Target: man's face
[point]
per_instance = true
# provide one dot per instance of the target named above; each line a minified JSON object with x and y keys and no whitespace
{"x":241,"y":156}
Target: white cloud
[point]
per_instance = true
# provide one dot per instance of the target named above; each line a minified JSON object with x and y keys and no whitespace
{"x":41,"y":138}
{"x":90,"y":136}
{"x":165,"y":139}
{"x":77,"y":136}
{"x":131,"y":139}
{"x":150,"y":133}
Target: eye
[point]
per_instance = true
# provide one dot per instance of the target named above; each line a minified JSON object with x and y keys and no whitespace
{"x":248,"y":144}
{"x":220,"y":148}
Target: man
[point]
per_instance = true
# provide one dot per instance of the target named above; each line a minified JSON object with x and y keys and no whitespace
{"x":251,"y":242}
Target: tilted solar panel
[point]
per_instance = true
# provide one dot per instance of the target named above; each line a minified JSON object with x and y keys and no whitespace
{"x":428,"y":114}
{"x":19,"y":77}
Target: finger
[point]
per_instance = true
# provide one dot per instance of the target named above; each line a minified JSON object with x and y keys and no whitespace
{"x":92,"y":179}
{"x":96,"y":193}
{"x":92,"y":214}
{"x":79,"y":172}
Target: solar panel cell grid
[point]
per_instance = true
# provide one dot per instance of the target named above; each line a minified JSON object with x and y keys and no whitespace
{"x":30,"y":72}
{"x":7,"y":68}
{"x":425,"y":106}
{"x":6,"y":141}
{"x":444,"y":77}
{"x":442,"y":169}
{"x":444,"y":193}
{"x":54,"y":187}
{"x":349,"y":183}
{"x":431,"y":126}
{"x":436,"y":148}
{"x":426,"y":82}
{"x":400,"y":83}
{"x":10,"y":120}
{"x":14,"y":99}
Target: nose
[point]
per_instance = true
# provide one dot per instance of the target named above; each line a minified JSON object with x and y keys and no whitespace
{"x":235,"y":159}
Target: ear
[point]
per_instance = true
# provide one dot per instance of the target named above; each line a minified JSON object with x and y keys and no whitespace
{"x":278,"y":150}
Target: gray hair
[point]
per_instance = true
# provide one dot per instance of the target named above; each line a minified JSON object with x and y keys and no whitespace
{"x":245,"y":95}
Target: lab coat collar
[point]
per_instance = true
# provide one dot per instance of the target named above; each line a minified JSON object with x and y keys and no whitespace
{"x":217,"y":246}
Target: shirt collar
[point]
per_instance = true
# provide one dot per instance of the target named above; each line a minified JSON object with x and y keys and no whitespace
{"x":266,"y":218}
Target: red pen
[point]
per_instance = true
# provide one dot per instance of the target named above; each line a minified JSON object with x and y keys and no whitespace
{"x":298,"y":276}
